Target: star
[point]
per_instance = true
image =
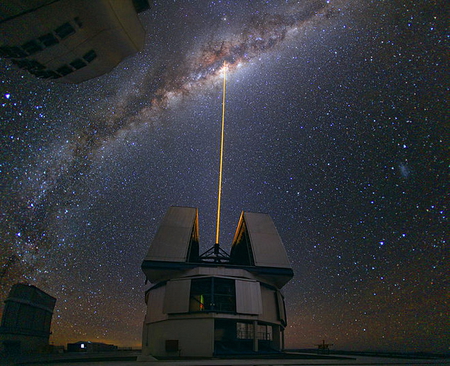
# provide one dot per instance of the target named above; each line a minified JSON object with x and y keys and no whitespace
{"x":334,"y":127}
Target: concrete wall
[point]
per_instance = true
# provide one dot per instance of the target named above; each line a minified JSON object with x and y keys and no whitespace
{"x":155,"y":301}
{"x":169,"y":317}
{"x":195,"y":337}
{"x":269,"y":306}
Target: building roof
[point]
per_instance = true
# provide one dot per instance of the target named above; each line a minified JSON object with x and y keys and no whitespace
{"x":256,"y":248}
{"x":257,"y":242}
{"x":177,"y":236}
{"x":174,"y":245}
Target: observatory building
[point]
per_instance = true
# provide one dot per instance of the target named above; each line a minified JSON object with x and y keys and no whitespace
{"x":26,"y":320}
{"x":214,"y":303}
{"x":70,"y":41}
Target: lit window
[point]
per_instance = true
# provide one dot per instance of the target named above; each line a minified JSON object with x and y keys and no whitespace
{"x":247,"y":331}
{"x":244,"y":331}
{"x":200,"y":299}
{"x":264,"y":332}
{"x":213,"y":294}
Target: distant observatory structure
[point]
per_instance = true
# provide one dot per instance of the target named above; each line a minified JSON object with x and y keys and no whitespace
{"x":214,"y":303}
{"x":70,"y":41}
{"x":26,"y":320}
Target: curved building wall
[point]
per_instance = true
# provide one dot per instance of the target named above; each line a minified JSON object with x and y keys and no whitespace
{"x":206,"y":315}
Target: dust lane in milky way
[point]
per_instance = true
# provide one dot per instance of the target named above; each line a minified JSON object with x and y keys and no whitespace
{"x":261,"y":33}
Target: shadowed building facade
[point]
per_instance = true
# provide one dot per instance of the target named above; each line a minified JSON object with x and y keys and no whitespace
{"x":70,"y":41}
{"x":26,"y":320}
{"x":205,"y":305}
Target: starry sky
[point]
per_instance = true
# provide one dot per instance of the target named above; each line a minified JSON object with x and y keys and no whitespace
{"x":335,"y":126}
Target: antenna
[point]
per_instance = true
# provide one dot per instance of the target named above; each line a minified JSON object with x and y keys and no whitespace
{"x":216,"y":253}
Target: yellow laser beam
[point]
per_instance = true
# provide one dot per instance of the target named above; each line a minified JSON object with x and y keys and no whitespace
{"x":219,"y":196}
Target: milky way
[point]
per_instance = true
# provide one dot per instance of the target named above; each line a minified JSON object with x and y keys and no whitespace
{"x":335,"y":125}
{"x":263,"y":33}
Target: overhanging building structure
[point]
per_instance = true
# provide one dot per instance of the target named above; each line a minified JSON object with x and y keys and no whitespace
{"x":206,"y":305}
{"x":70,"y":41}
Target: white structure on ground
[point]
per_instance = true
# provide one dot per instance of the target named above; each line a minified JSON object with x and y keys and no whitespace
{"x":214,"y":303}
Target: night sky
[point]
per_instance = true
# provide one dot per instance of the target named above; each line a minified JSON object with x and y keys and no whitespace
{"x":336,"y":126}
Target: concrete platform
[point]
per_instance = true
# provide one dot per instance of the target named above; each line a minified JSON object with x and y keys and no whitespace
{"x":129,"y":359}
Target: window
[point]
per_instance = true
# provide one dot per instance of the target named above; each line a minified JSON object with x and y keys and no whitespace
{"x":247,"y":331}
{"x":64,"y":31}
{"x":32,"y":47}
{"x":172,"y":345}
{"x":200,"y":298}
{"x":78,"y":22}
{"x":12,"y":52}
{"x":48,"y":40}
{"x":46,"y":74}
{"x":213,"y":294}
{"x":244,"y":331}
{"x":64,"y":70}
{"x":90,"y":56}
{"x":141,"y":5}
{"x":78,"y":63}
{"x":30,"y":65}
{"x":224,"y":295}
{"x":264,"y":332}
